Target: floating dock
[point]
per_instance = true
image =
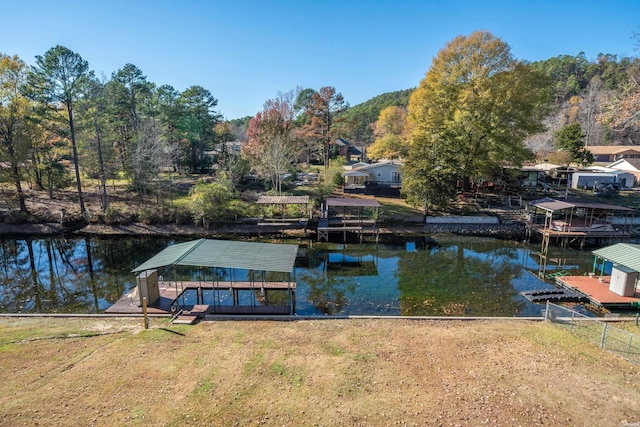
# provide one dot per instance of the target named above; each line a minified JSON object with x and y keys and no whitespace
{"x":554,"y":295}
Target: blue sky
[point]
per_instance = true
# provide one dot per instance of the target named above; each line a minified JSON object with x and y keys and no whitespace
{"x":245,"y":52}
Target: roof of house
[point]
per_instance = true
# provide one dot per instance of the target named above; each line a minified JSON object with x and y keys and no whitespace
{"x":625,"y":254}
{"x":623,"y":165}
{"x":612,"y":149}
{"x":546,"y":166}
{"x":396,"y":163}
{"x":343,"y":142}
{"x":354,"y":165}
{"x":225,"y":254}
{"x":355,"y":173}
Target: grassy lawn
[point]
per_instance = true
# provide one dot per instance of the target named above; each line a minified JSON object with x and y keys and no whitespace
{"x":397,"y":207}
{"x":106,"y":372}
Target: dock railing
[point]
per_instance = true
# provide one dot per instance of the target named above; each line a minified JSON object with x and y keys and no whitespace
{"x":615,"y":340}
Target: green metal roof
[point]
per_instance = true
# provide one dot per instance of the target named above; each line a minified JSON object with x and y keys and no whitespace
{"x":225,"y":254}
{"x":624,"y":254}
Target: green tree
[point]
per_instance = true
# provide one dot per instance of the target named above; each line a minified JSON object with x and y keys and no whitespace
{"x":325,"y":105}
{"x":170,"y":114}
{"x":99,"y":157}
{"x":15,"y":130}
{"x":210,"y":201}
{"x":58,"y":80}
{"x":571,"y":139}
{"x":198,"y":123}
{"x":129,"y":95}
{"x":471,"y":113}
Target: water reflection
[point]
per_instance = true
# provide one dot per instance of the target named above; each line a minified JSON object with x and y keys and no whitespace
{"x":459,"y":281}
{"x":68,"y":275}
{"x":446,"y":276}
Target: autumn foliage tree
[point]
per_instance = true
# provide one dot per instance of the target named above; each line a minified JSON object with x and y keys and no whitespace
{"x":391,"y":134}
{"x":471,"y":114}
{"x":269,"y":147}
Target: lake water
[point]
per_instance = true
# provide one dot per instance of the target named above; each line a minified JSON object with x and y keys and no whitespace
{"x":435,"y":276}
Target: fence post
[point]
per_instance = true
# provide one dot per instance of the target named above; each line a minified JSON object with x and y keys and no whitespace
{"x":604,"y":335}
{"x":546,"y":313}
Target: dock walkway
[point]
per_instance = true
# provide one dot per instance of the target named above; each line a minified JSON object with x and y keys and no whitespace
{"x":171,"y":291}
{"x":597,"y":291}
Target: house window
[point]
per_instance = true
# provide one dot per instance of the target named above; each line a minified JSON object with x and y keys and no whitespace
{"x":395,"y":177}
{"x":379,"y":173}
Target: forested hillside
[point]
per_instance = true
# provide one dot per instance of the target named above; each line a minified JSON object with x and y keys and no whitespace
{"x":359,"y":118}
{"x":597,"y":93}
{"x":602,"y":95}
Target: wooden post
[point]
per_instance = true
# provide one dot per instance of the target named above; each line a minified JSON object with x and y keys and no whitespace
{"x":144,"y":312}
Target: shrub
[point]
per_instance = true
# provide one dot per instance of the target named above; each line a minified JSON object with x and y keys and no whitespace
{"x":210,"y":202}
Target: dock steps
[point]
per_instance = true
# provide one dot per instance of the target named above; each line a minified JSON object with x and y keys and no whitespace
{"x":190,"y":317}
{"x":557,"y":274}
{"x":554,"y":295}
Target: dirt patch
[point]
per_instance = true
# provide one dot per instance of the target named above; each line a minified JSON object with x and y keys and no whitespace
{"x":325,"y":372}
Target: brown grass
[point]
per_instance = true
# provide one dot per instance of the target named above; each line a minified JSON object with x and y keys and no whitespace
{"x":325,"y":372}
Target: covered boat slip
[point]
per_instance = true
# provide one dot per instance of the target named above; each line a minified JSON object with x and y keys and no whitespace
{"x":353,"y":215}
{"x":283,"y":220}
{"x":568,"y":221}
{"x":216,"y":277}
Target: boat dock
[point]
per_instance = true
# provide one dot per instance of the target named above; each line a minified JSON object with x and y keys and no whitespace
{"x":214,"y":259}
{"x":172,"y":292}
{"x":596,"y":288}
{"x":347,"y":216}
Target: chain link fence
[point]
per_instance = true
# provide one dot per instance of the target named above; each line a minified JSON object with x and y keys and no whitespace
{"x":590,"y":329}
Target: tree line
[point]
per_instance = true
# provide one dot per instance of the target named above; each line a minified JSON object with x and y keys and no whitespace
{"x":58,"y":121}
{"x":477,"y":110}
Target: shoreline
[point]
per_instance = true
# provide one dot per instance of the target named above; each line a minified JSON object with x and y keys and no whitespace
{"x":509,"y":231}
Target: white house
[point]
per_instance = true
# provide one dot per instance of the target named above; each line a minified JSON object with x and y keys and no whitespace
{"x":625,"y":166}
{"x":383,"y":174}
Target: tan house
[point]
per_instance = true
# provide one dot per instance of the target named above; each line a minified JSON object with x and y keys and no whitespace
{"x":613,"y":153}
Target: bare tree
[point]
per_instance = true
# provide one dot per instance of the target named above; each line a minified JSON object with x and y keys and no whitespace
{"x":150,"y":154}
{"x":589,"y":111}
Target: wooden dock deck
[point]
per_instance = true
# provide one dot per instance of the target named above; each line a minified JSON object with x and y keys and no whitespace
{"x":169,"y":293}
{"x":597,"y":291}
{"x":360,"y":227}
{"x":609,"y":234}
